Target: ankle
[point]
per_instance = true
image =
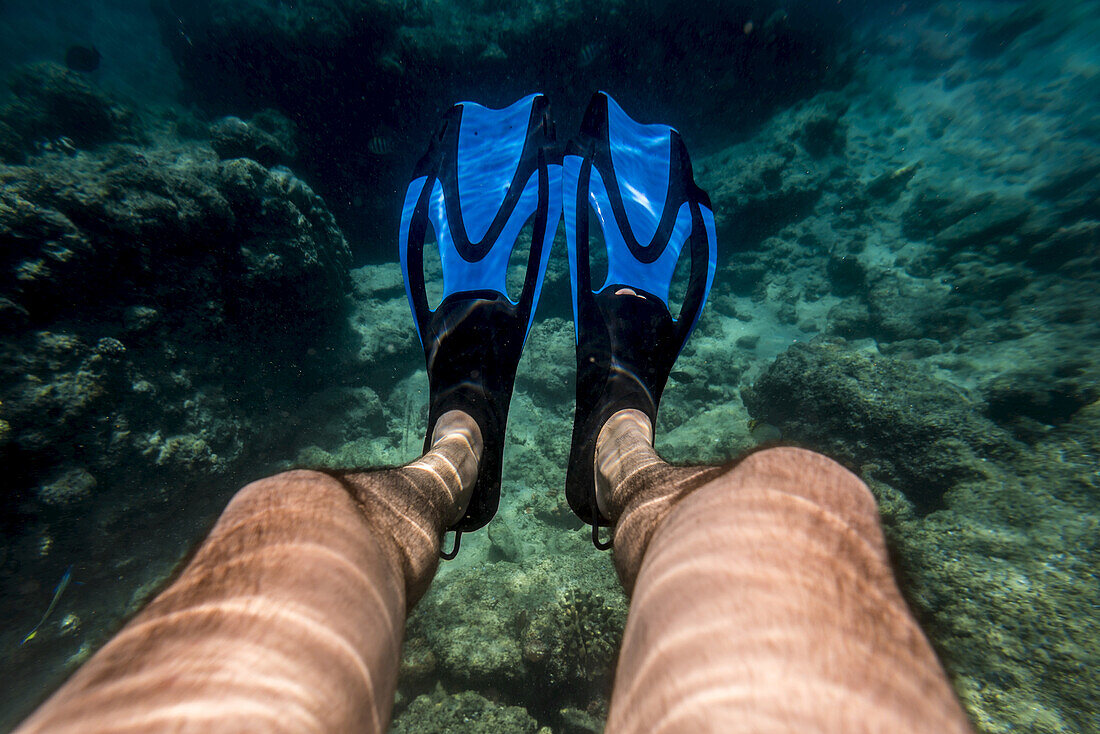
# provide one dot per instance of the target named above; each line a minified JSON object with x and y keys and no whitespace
{"x":454,"y":456}
{"x":636,"y":489}
{"x":413,"y":505}
{"x":623,"y":448}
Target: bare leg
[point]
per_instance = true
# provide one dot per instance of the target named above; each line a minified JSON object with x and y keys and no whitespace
{"x":290,"y":616}
{"x":762,"y":599}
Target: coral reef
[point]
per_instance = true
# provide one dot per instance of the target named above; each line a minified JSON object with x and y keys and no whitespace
{"x":120,"y":261}
{"x":154,"y":301}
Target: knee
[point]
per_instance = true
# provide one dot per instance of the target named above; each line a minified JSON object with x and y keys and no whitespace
{"x":287,"y":491}
{"x":810,"y":476}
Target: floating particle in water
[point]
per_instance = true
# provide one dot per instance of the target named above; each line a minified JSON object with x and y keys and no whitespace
{"x":747,"y":28}
{"x":83,"y":58}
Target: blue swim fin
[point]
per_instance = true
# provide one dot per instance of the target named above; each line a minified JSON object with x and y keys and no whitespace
{"x":486,"y":173}
{"x":637,"y":182}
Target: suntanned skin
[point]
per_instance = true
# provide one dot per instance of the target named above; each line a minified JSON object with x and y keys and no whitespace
{"x":762,"y":601}
{"x":290,"y":616}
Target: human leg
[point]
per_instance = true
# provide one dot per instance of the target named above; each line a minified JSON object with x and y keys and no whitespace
{"x":291,"y":614}
{"x":762,"y":599}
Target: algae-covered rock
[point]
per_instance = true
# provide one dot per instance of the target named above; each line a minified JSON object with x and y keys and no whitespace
{"x":997,"y":581}
{"x":148,"y":290}
{"x":462,"y":713}
{"x":1002,"y":216}
{"x":572,"y":643}
{"x":904,"y":307}
{"x":268,"y":138}
{"x":885,"y":417}
{"x":527,"y":631}
{"x":51,"y":102}
{"x":758,"y":188}
{"x":72,"y":486}
{"x":1050,"y":394}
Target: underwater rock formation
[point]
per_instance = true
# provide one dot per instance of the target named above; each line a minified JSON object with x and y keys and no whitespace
{"x":153,"y":301}
{"x":268,"y":138}
{"x":883,"y":417}
{"x":365,"y":81}
{"x":763,"y":185}
{"x":525,"y":631}
{"x":54,"y":108}
{"x":461,"y":713}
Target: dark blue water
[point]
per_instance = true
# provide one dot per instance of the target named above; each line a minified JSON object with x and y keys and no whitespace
{"x":199,"y":287}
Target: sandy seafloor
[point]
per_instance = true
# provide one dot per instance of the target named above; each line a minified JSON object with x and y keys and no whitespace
{"x":909,"y":282}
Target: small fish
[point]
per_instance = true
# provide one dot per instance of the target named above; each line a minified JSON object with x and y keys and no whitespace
{"x":183,"y":33}
{"x":64,"y":582}
{"x":391,"y":64}
{"x":381,"y":145}
{"x":83,"y":58}
{"x":764,"y":432}
{"x":62,"y":145}
{"x":588,"y":53}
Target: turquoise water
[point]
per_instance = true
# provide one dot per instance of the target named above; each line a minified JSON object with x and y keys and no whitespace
{"x":199,"y":287}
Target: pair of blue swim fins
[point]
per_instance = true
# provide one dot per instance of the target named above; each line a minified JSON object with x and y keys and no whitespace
{"x":486,"y":174}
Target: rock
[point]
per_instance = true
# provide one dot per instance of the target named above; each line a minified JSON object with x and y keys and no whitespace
{"x":1073,"y":188}
{"x":1045,"y":394}
{"x":349,"y":72}
{"x":994,"y":34}
{"x":575,"y":721}
{"x":1079,"y":169}
{"x":748,"y":341}
{"x":152,"y":297}
{"x":911,"y":348}
{"x":13,"y":317}
{"x":140,"y":319}
{"x":511,"y":627}
{"x":555,"y":356}
{"x":579,"y":633}
{"x":819,"y":127}
{"x":931,"y":211}
{"x":52,"y":102}
{"x":979,"y":281}
{"x":264,"y":225}
{"x":1079,"y":240}
{"x":847,"y":275}
{"x":11,"y":144}
{"x":267,"y":139}
{"x":418,"y":663}
{"x":461,"y":713}
{"x":901,"y":307}
{"x":504,"y":543}
{"x":759,"y":188}
{"x":887,"y":418}
{"x":849,"y":319}
{"x":1000,"y":217}
{"x":72,"y":486}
